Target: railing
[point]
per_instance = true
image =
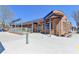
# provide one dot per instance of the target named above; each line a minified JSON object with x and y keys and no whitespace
{"x":19,"y":30}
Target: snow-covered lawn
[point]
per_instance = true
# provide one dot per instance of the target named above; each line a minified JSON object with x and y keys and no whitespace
{"x":39,"y":43}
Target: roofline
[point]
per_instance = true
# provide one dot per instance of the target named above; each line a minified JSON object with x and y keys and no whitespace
{"x":36,"y":20}
{"x":48,"y":14}
{"x":52,"y":12}
{"x":43,"y":17}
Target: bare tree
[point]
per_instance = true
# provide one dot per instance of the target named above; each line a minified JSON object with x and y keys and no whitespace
{"x":75,"y":16}
{"x":6,"y":15}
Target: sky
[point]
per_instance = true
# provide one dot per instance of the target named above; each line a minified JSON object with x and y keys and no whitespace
{"x":33,"y":12}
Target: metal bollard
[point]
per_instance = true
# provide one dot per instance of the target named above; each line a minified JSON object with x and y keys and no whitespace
{"x":27,"y":38}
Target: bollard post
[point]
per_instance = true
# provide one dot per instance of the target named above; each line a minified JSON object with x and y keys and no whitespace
{"x":26,"y":38}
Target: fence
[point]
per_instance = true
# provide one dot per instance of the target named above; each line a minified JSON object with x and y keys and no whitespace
{"x":20,"y":30}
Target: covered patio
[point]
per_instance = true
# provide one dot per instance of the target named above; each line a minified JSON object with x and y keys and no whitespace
{"x":53,"y":23}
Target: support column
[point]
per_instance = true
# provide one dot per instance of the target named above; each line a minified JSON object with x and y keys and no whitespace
{"x":45,"y":26}
{"x":37,"y":26}
{"x":54,"y":26}
{"x":21,"y":27}
{"x":42,"y":27}
{"x":32,"y":26}
{"x":15,"y":28}
{"x":50,"y":26}
{"x":59,"y":27}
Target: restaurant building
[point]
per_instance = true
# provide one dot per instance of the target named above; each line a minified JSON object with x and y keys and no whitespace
{"x":55,"y":23}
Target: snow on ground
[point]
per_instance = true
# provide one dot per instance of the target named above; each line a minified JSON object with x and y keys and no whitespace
{"x":39,"y":43}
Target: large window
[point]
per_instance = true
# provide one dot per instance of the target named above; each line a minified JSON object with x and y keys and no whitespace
{"x":39,"y":28}
{"x":47,"y":26}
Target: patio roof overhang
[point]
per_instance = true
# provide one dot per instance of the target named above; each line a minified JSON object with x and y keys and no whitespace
{"x":54,"y":13}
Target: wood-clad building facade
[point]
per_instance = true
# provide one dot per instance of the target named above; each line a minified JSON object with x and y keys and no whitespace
{"x":35,"y":25}
{"x":55,"y":23}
